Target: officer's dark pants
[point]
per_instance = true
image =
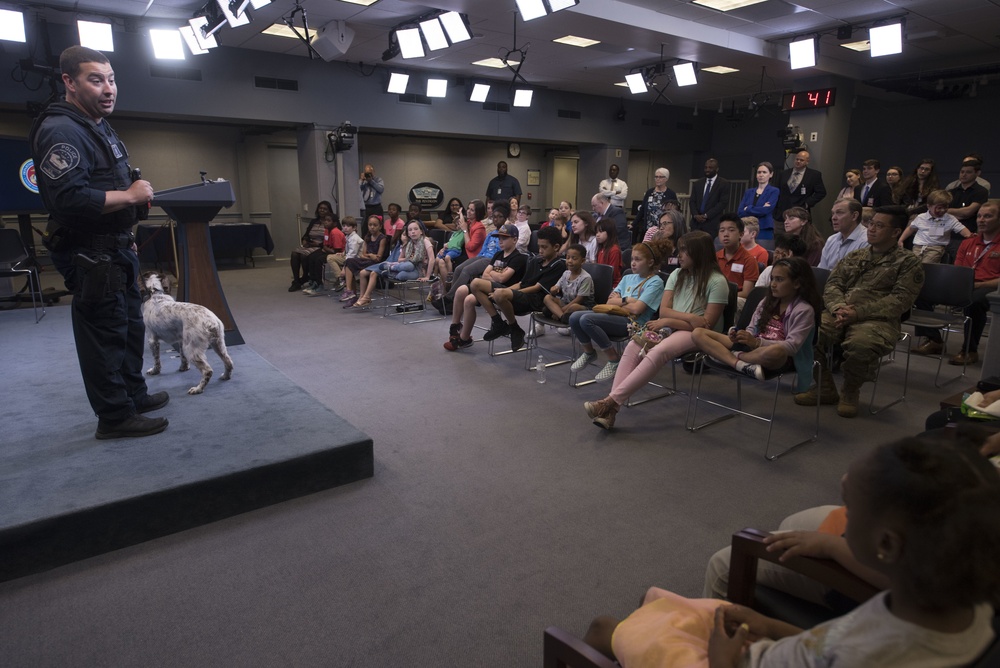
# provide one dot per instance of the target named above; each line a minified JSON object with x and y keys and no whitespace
{"x":109,"y":335}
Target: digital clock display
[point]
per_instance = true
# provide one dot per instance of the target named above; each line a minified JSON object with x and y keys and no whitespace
{"x":809,"y":99}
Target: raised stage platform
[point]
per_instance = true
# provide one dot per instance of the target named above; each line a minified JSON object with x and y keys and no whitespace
{"x":246,"y":443}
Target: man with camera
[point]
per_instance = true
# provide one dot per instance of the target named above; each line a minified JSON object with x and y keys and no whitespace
{"x":371,"y":192}
{"x":94,"y":198}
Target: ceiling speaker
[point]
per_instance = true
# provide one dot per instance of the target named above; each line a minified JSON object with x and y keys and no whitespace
{"x":332,"y":40}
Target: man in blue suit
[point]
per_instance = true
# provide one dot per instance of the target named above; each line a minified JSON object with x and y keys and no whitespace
{"x":709,"y":197}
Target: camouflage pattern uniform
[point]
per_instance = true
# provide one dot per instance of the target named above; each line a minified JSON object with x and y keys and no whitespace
{"x":881,"y":289}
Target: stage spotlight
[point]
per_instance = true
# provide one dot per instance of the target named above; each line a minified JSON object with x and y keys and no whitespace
{"x":397,"y":83}
{"x":684,"y":74}
{"x":233,"y":20}
{"x":531,"y":9}
{"x":886,"y":40}
{"x":636,"y":83}
{"x":437,"y":87}
{"x":188,"y":33}
{"x":410,"y":45}
{"x":558,"y":5}
{"x":96,"y":35}
{"x":11,"y":26}
{"x":167,"y":44}
{"x":522,"y":97}
{"x":802,"y":53}
{"x":204,"y":31}
{"x":237,"y":7}
{"x":434,"y":34}
{"x":456,"y":27}
{"x":479,"y":92}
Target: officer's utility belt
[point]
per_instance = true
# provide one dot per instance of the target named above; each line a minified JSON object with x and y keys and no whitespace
{"x":103,"y":242}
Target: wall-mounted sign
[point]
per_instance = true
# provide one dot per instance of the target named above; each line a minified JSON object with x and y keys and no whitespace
{"x":428,"y":195}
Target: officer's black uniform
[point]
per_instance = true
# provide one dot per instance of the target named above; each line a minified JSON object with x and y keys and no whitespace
{"x":77,"y":161}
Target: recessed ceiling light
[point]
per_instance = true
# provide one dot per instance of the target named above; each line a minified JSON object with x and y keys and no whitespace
{"x":282,"y":30}
{"x":573,"y":40}
{"x":720,"y":69}
{"x":863,"y":45}
{"x":364,"y":3}
{"x":495,"y":63}
{"x":726,"y":5}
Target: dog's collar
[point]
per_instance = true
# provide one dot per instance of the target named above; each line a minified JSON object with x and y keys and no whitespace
{"x":147,"y":294}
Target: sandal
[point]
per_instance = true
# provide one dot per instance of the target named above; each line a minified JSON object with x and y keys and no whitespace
{"x":362,"y":302}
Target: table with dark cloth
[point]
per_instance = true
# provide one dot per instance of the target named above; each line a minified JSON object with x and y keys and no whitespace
{"x":228,"y":241}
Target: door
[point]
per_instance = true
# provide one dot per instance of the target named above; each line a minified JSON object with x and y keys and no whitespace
{"x":564,"y":170}
{"x":283,"y":195}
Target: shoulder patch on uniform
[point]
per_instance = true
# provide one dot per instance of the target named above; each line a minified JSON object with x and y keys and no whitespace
{"x":60,"y":159}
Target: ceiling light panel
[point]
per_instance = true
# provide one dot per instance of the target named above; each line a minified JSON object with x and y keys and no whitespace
{"x":573,"y":40}
{"x":280,"y":30}
{"x":495,"y":63}
{"x":719,"y":69}
{"x":863,"y":45}
{"x":726,"y":5}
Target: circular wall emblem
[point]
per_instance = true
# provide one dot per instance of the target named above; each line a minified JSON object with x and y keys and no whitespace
{"x":28,"y":179}
{"x":428,"y":195}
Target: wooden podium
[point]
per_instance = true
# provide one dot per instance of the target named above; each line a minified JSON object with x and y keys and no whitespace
{"x":193,"y":207}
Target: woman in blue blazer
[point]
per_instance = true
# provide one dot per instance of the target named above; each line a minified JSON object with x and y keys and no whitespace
{"x":760,"y":201}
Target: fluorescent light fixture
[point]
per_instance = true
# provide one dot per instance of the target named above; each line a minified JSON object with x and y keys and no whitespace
{"x":434,"y":34}
{"x":522,"y":97}
{"x":725,"y":5}
{"x":684,"y":74}
{"x":636,"y":83}
{"x":187,"y":32}
{"x":279,"y":30}
{"x":96,"y":35}
{"x":167,"y":44}
{"x":573,"y":40}
{"x":12,"y":26}
{"x":397,"y":83}
{"x":199,"y":26}
{"x":437,"y":87}
{"x":234,"y":21}
{"x":802,"y":53}
{"x":363,"y":3}
{"x":531,"y":9}
{"x":479,"y":92}
{"x":863,"y":45}
{"x":557,"y":5}
{"x":456,"y":27}
{"x":886,"y":40}
{"x":495,"y":63}
{"x":410,"y":45}
{"x":257,"y":4}
{"x":719,"y":69}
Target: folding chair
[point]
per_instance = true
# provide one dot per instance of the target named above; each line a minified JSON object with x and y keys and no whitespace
{"x":15,"y":261}
{"x":949,"y":286}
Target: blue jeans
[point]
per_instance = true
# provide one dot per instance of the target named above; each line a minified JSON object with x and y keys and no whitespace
{"x":596,"y":328}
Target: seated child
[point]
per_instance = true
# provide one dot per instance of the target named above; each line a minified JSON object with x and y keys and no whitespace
{"x":334,"y":242}
{"x":412,"y":263}
{"x":785,"y":246}
{"x":933,"y":228}
{"x":751,"y":228}
{"x":375,"y":249}
{"x":780,"y":328}
{"x":575,"y":289}
{"x":505,"y":269}
{"x":735,"y":263}
{"x":608,"y":251}
{"x":917,"y":509}
{"x":353,"y":243}
{"x":523,"y":297}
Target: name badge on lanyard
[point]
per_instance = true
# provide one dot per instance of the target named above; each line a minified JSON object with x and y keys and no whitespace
{"x":116,"y":151}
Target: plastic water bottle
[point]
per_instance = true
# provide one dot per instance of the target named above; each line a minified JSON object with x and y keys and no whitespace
{"x":540,"y":369}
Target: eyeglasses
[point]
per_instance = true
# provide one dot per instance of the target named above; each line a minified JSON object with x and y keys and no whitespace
{"x":879,"y":226}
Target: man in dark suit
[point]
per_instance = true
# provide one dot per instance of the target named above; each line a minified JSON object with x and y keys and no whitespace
{"x":709,"y":197}
{"x":603,"y":208}
{"x":873,"y":190}
{"x":799,"y":186}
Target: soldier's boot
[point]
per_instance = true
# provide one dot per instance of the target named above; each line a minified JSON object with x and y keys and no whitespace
{"x":850,"y":395}
{"x":824,"y":391}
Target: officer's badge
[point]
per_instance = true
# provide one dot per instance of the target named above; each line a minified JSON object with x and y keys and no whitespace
{"x":60,"y":159}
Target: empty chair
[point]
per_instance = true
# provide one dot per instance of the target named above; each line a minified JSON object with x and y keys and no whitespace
{"x":15,"y":261}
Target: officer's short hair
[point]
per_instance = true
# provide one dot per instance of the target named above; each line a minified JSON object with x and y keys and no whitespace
{"x":900,"y":217}
{"x":71,"y":59}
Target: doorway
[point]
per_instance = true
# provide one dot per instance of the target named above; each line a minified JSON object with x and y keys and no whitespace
{"x":283,"y":195}
{"x":564,"y":172}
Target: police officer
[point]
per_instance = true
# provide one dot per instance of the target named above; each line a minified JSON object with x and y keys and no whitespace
{"x":93,"y":202}
{"x":865,"y":297}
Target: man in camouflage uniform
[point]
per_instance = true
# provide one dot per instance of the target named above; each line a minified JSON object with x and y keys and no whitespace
{"x":865,"y":297}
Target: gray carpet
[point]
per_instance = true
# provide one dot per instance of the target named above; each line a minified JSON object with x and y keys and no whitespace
{"x":496,"y":510}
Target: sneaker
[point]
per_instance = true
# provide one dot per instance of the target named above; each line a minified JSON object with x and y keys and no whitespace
{"x":607,"y":373}
{"x":132,"y":427}
{"x":309,"y":285}
{"x":350,"y":302}
{"x":497,"y":329}
{"x":348,"y":296}
{"x":516,"y":339}
{"x":754,"y":371}
{"x":339,"y":286}
{"x":153,"y":402}
{"x":313,"y":292}
{"x":562,"y":331}
{"x":295,"y":286}
{"x":536,"y":331}
{"x":583,"y":360}
{"x":456,"y":343}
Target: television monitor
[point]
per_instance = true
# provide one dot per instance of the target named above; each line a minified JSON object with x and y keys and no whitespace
{"x":18,"y":185}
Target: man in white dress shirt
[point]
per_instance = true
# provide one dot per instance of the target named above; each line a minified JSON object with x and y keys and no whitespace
{"x":614,"y":188}
{"x":848,"y":233}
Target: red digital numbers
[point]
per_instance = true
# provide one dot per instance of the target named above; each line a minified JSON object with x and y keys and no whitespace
{"x":813,"y":99}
